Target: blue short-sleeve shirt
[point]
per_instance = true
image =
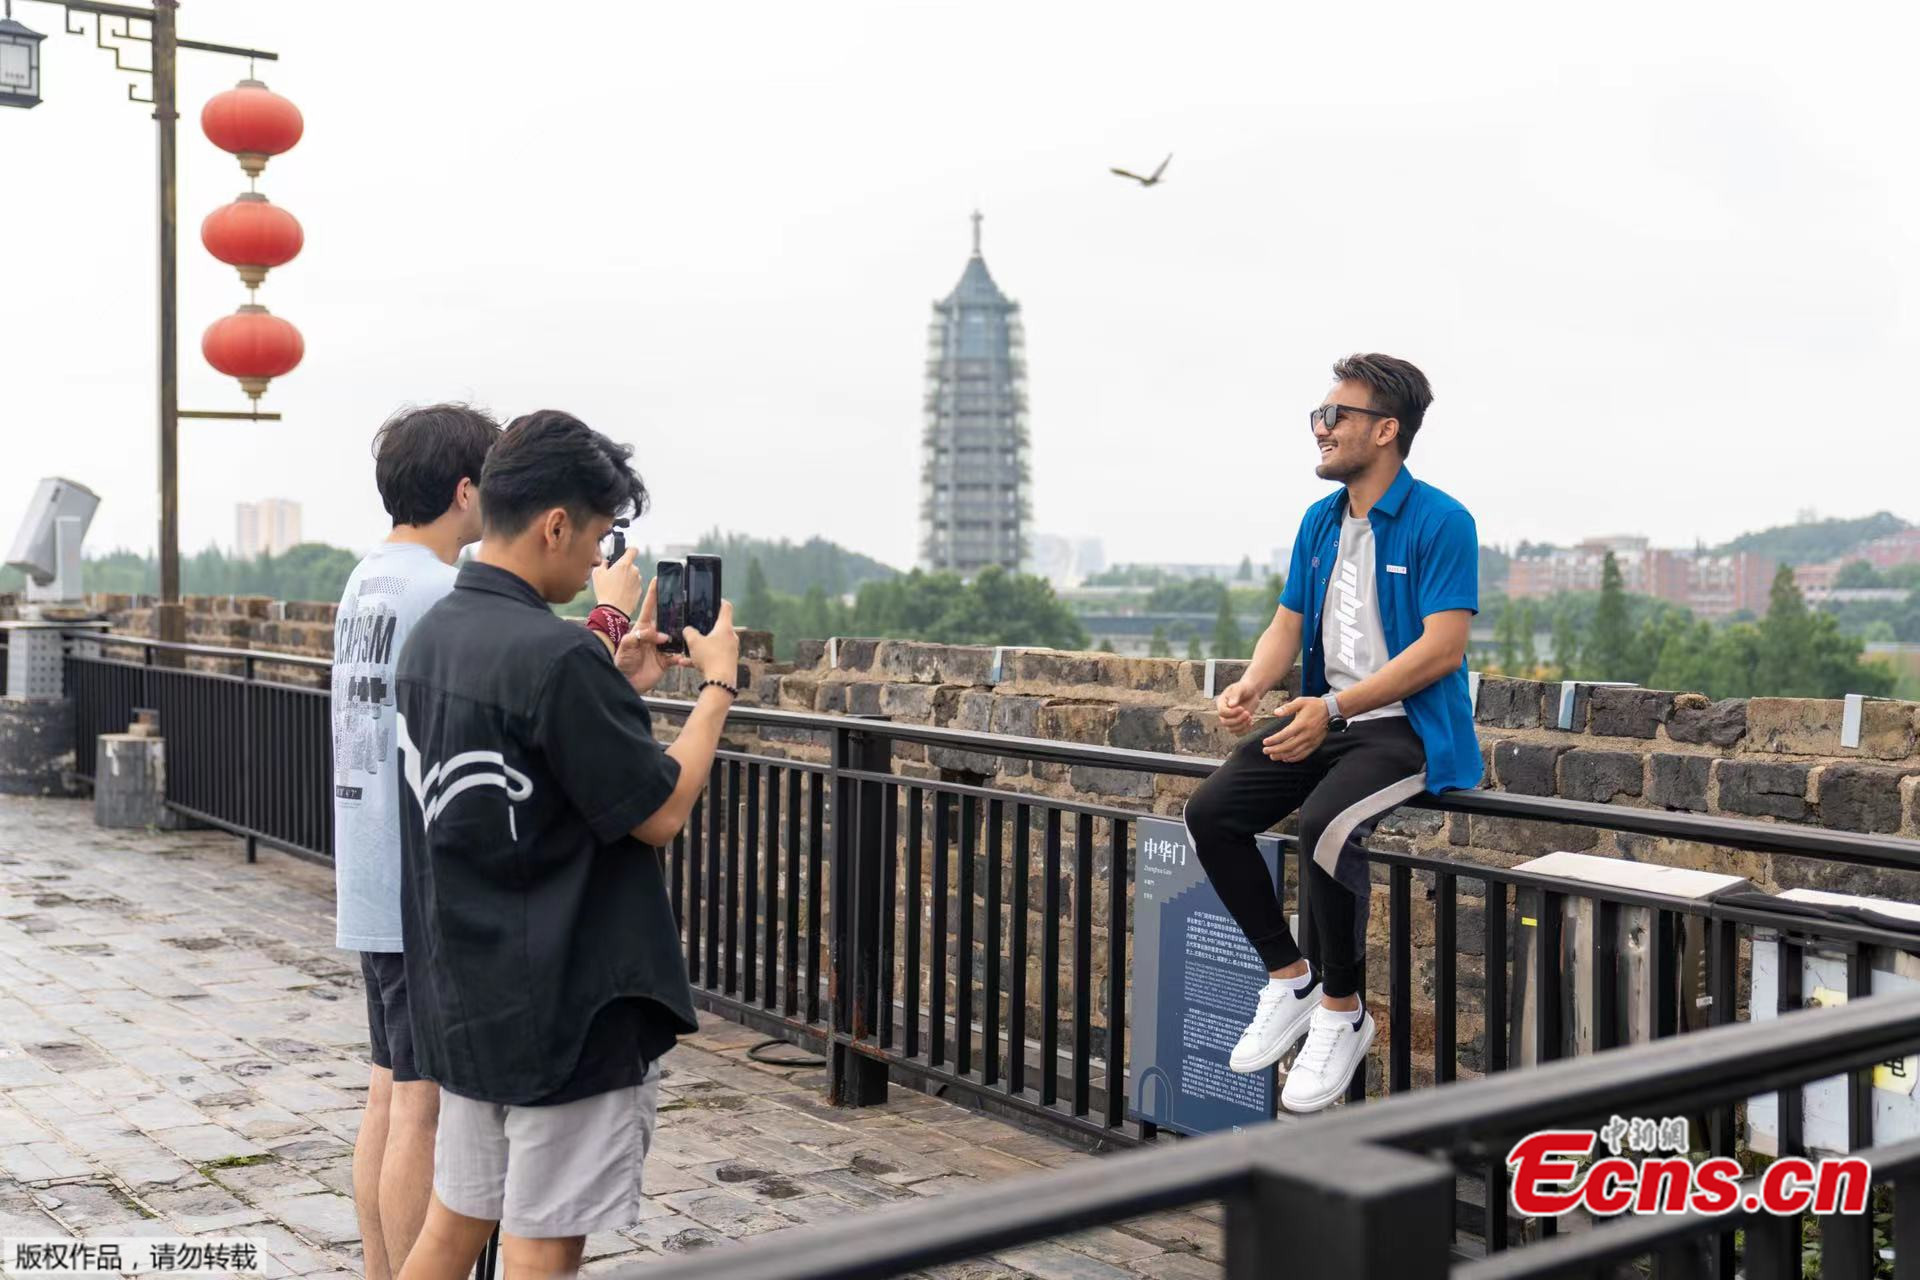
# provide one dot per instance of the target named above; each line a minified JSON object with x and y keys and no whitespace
{"x":1426,"y":561}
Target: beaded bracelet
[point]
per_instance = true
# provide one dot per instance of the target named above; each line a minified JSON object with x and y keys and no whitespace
{"x":718,"y":684}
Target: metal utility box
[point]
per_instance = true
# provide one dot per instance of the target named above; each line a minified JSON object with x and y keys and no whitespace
{"x":1826,"y":980}
{"x":1638,"y":938}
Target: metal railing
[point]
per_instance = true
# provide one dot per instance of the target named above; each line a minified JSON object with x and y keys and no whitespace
{"x":944,"y":931}
{"x":248,"y":752}
{"x":1006,"y":879}
{"x":1368,"y":1193}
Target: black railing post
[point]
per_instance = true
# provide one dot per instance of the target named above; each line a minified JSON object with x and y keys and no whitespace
{"x":855,"y":1078}
{"x":1342,"y":1211}
{"x":248,"y":783}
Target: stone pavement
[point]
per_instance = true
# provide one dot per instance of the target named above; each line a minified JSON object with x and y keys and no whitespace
{"x":183,"y":1052}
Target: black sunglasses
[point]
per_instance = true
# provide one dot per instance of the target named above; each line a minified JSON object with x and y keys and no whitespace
{"x":1329,"y":414}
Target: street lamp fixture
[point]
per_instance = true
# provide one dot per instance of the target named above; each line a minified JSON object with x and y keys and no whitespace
{"x":259,"y":345}
{"x":19,"y":63}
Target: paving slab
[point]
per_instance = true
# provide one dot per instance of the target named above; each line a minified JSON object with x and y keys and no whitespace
{"x":182,"y":1051}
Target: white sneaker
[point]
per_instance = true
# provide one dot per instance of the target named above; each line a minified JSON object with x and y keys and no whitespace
{"x":1279,"y":1020}
{"x":1335,"y":1048}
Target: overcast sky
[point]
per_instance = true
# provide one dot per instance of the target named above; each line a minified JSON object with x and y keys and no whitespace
{"x":1659,"y":261}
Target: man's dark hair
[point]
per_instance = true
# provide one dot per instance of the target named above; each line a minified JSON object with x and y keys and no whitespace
{"x":1396,"y":386}
{"x":420,"y":456}
{"x":549,"y":459}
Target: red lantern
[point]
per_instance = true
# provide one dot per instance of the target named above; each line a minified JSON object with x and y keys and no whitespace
{"x":253,"y":235}
{"x":253,"y":346}
{"x":253,"y":122}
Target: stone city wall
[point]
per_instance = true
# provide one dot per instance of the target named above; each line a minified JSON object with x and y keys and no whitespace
{"x":1776,"y":759}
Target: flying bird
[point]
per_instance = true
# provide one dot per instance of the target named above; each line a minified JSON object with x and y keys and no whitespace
{"x":1145,"y":182}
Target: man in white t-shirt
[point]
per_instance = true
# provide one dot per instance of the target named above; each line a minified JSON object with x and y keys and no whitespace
{"x":427,"y":464}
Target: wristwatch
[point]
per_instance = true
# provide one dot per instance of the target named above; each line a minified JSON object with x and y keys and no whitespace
{"x":1336,"y":723}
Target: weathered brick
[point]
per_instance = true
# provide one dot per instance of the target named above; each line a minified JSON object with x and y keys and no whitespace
{"x":809,"y":653}
{"x":863,"y":698}
{"x":1142,"y":728}
{"x":1407,"y":821}
{"x":1076,"y":721}
{"x":1113,"y":782}
{"x":1680,"y":782}
{"x":1698,"y":719}
{"x":1524,"y":836}
{"x":854,"y":653}
{"x":908,"y":702}
{"x":1510,"y":704}
{"x":1599,"y":776}
{"x":1811,"y":727}
{"x":1762,"y":788}
{"x":1041,"y":666}
{"x":1860,"y":797}
{"x":1199,"y":733}
{"x":933,"y":663}
{"x":830,"y":695}
{"x":1527,"y":767}
{"x":1628,"y":713}
{"x":1017,"y":716}
{"x":974,"y":711}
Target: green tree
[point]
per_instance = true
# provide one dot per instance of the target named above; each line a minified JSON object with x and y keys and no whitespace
{"x":1529,"y":651}
{"x":1608,"y":652}
{"x":1276,"y":587}
{"x":1227,"y":641}
{"x":1804,"y":655}
{"x":795,"y":567}
{"x":1194,"y":652}
{"x":1786,"y":640}
{"x":1159,"y":646}
{"x":1566,"y":647}
{"x":813,"y":620}
{"x":996,"y":608}
{"x":756,"y":607}
{"x":1246,"y":569}
{"x":1506,"y":643}
{"x":1686,"y":660}
{"x":1817,"y":541}
{"x":1195,"y":595}
{"x":1858,"y":573}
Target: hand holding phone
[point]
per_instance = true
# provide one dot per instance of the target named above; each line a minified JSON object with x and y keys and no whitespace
{"x":670,"y":587}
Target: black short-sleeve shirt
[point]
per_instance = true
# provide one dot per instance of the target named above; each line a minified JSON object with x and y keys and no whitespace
{"x":527,"y":907}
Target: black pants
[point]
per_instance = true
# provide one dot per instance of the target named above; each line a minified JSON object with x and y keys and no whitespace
{"x":1341,"y":790}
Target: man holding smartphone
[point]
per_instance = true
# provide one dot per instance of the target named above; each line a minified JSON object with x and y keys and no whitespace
{"x":1383,"y":583}
{"x":541,"y":944}
{"x":426,"y":464}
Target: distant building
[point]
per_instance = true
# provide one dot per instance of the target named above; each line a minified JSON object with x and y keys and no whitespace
{"x":268,"y":527}
{"x":1065,"y":562}
{"x":1711,"y":586}
{"x":1816,"y":581}
{"x":1889,"y":552}
{"x":1089,"y":557}
{"x":973,"y":474}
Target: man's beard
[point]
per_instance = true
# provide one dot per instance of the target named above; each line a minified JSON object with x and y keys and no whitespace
{"x":1334,"y":469}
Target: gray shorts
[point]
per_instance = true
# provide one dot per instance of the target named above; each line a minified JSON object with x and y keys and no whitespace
{"x":547,"y":1172}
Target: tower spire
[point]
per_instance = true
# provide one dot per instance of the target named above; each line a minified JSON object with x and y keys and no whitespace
{"x":978,"y":218}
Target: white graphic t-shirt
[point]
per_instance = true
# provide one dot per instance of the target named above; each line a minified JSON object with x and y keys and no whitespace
{"x":1350,"y":630}
{"x":387,"y":594}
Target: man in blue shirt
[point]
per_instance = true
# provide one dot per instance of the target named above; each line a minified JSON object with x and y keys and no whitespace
{"x":1384,"y":579}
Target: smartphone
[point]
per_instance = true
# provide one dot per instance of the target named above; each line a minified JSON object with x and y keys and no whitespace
{"x":703,"y":593}
{"x":670,"y":600}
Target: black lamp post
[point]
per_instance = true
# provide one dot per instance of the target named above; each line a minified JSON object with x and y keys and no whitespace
{"x":20,"y":87}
